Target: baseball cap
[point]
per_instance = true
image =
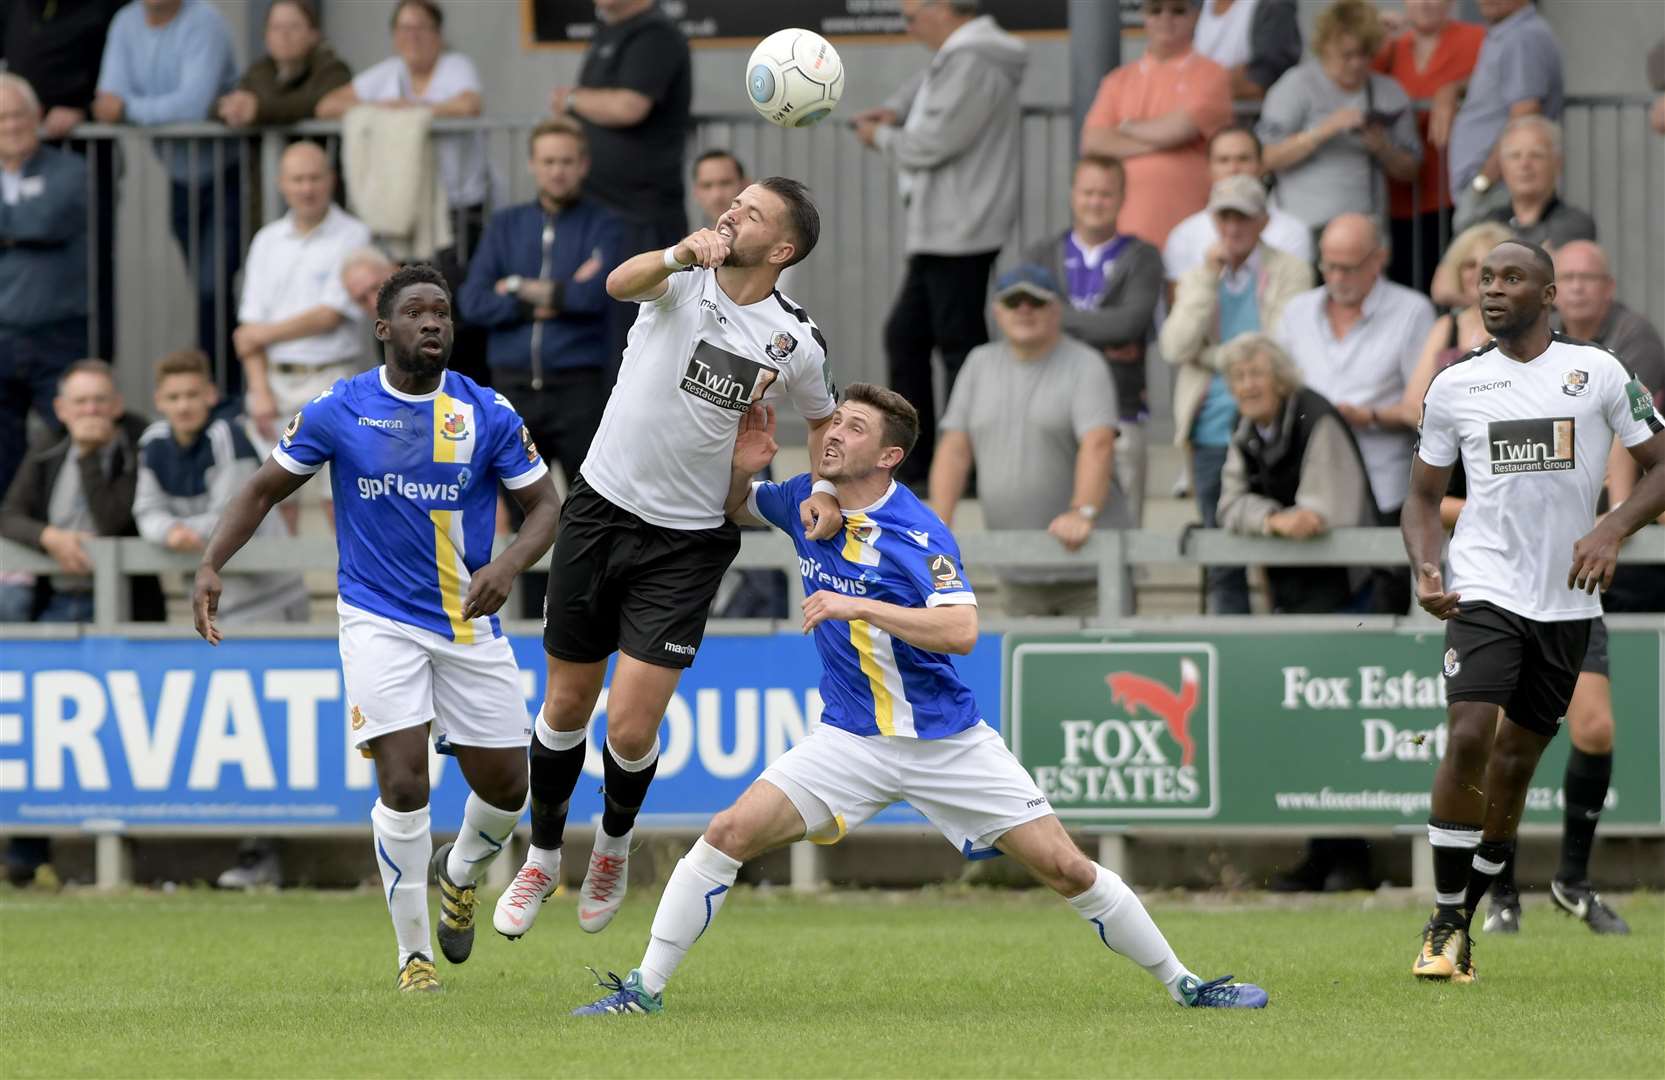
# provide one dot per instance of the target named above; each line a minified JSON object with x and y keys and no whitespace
{"x":1243,"y":194}
{"x":1030,"y":278}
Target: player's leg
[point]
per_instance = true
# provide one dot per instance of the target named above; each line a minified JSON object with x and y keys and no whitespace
{"x":496,"y":799}
{"x":1589,"y":772}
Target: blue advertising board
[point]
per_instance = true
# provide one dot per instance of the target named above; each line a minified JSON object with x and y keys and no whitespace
{"x":254,"y":734}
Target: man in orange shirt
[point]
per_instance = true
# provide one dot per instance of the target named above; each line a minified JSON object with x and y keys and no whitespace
{"x":1157,"y":115}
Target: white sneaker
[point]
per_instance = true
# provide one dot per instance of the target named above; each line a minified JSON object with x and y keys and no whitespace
{"x":605,"y":881}
{"x":522,"y":900}
{"x":253,"y":870}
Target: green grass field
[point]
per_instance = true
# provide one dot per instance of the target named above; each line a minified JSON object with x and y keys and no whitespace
{"x":953,"y":982}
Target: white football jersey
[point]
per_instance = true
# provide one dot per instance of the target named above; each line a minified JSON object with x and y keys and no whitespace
{"x":694,"y":363}
{"x":1533,"y":439}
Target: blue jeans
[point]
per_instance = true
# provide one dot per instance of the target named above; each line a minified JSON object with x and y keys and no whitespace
{"x":1228,"y":586}
{"x":68,"y":607}
{"x":17,"y":603}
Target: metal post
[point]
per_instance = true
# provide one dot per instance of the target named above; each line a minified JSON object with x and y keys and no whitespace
{"x":1112,"y":576}
{"x":1422,"y":867}
{"x":112,"y":856}
{"x":806,"y":867}
{"x":109,"y":585}
{"x":1095,"y":49}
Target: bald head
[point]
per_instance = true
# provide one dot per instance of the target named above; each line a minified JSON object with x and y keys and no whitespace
{"x":1351,"y":255}
{"x":1584,"y":287}
{"x":306,"y":182}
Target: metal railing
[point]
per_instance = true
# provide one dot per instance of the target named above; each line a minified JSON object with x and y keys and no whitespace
{"x":1111,"y":552}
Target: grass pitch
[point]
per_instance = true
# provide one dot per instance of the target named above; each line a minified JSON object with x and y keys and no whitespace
{"x":946,"y":982}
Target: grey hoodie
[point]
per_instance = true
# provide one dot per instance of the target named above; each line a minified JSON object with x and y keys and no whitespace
{"x":956,"y":149}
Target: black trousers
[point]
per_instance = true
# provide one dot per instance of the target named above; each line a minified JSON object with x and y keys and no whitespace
{"x":1417,"y":248}
{"x":940,"y":309}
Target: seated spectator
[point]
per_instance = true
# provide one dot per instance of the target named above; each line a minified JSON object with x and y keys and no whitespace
{"x":1356,"y":340}
{"x":1430,"y":60}
{"x":1036,"y":412}
{"x":1254,"y":40}
{"x":189,"y":468}
{"x":1114,"y":283}
{"x":1234,"y":151}
{"x":168,"y":62}
{"x":1518,"y":72}
{"x":1241,"y":288}
{"x":298,"y":331}
{"x":1333,"y":129}
{"x":1156,"y":116}
{"x":76,"y":489}
{"x":1530,"y":156}
{"x":299,"y":68}
{"x":362,"y":273}
{"x":1294,"y":470}
{"x":43,"y":268}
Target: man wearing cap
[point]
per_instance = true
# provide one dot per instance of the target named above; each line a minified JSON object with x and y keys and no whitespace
{"x":1241,"y":287}
{"x":1036,"y":411}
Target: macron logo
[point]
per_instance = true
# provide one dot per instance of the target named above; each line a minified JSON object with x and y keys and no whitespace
{"x":680,"y":650}
{"x":371,"y":488}
{"x":371,"y":421}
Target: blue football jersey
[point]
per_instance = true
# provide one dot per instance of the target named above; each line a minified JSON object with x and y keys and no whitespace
{"x":414,"y":480}
{"x":899,"y":552}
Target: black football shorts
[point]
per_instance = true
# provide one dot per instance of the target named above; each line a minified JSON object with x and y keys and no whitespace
{"x":1526,"y":666}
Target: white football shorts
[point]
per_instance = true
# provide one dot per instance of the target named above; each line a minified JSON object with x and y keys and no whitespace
{"x":401,"y":676}
{"x":968,"y":785}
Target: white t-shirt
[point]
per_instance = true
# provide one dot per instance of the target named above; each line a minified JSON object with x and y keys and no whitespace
{"x":287,"y":273}
{"x":1224,"y":39}
{"x":462,"y":158}
{"x":1533,"y":439}
{"x":1190,"y":240}
{"x":694,"y":362}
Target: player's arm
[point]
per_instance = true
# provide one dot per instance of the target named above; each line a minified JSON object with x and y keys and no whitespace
{"x":754,"y":449}
{"x":1597,"y":553}
{"x":947,"y":628}
{"x":1424,"y":535}
{"x":643,"y":277}
{"x":490,"y":587}
{"x":248,"y":508}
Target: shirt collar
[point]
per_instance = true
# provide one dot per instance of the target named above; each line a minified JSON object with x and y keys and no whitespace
{"x":324,"y":223}
{"x":1092,"y":253}
{"x":381,"y":373}
{"x":1250,"y":270}
{"x":889,"y":491}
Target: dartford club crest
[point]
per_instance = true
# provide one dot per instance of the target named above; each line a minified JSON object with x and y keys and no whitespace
{"x":780,"y":345}
{"x":357,"y":716}
{"x":455,"y":427}
{"x":1452,"y":664}
{"x":1575,"y":382}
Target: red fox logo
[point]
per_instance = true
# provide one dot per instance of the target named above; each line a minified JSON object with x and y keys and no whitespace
{"x":1134,"y":692}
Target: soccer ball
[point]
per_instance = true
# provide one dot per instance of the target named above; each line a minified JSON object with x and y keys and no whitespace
{"x":794,"y":78}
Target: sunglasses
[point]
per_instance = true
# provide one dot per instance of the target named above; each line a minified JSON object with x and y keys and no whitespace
{"x":1022,"y":300}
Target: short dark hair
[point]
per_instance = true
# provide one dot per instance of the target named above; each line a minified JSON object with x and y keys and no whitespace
{"x":800,"y":212}
{"x":428,"y":6}
{"x":558,"y":126}
{"x":718,"y":153}
{"x":1238,"y":129}
{"x":185,"y":361}
{"x":89,"y":366}
{"x":1545,"y":261}
{"x":403,"y":278}
{"x":308,"y":12}
{"x":901,"y":419}
{"x":1102,"y":161}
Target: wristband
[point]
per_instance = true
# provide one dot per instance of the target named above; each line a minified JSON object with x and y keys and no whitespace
{"x":824,"y":487}
{"x":672,"y":262}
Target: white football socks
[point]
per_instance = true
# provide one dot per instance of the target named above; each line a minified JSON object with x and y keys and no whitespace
{"x":485,"y":829}
{"x":691,"y":900}
{"x":403,"y":848}
{"x":1125,"y":926}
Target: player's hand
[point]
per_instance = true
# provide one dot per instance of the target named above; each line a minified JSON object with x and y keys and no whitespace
{"x":1070,"y":529}
{"x":64,"y":545}
{"x":1595,"y":556}
{"x":703,"y":247}
{"x":1431,"y":594}
{"x":488,"y":589}
{"x":755,"y":446}
{"x":205,"y":604}
{"x":820,"y":516}
{"x":261,"y":408}
{"x":821,"y":606}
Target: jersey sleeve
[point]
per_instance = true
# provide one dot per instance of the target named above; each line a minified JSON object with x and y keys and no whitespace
{"x":1629,"y":408}
{"x":680,"y":288}
{"x":936,"y":571}
{"x":310,"y":437}
{"x":1436,"y":435}
{"x":774,"y":503}
{"x":514,"y":454}
{"x":810,"y":381}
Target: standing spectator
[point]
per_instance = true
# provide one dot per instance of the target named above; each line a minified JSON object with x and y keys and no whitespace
{"x":952,"y":132}
{"x":538,"y":285}
{"x":1241,"y":287}
{"x":1530,"y":156}
{"x":1036,"y":411}
{"x":43,"y":268}
{"x":167,"y":62}
{"x":79,"y":488}
{"x":634,"y":91}
{"x":1156,"y":115}
{"x":299,"y":68}
{"x":1334,"y":129}
{"x":299,"y":330}
{"x":363,"y":272}
{"x":1356,"y":340}
{"x":1517,"y":73}
{"x":1294,"y":470}
{"x":1234,"y":151}
{"x":190,"y":465}
{"x":1431,"y":60}
{"x":1256,"y":41}
{"x":57,"y":48}
{"x":1113,"y":283}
